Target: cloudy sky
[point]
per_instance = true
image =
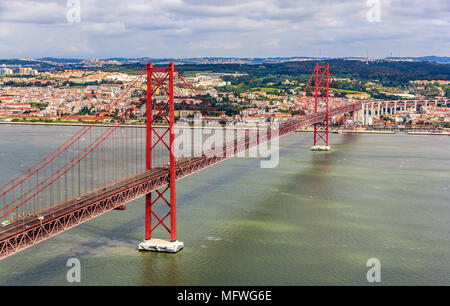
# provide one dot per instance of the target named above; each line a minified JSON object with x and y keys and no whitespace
{"x":238,"y":28}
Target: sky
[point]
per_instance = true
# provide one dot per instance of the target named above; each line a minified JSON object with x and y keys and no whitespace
{"x":223,"y":28}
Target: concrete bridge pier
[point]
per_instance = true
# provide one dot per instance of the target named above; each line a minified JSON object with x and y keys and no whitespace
{"x":161,"y":245}
{"x":360,"y":115}
{"x":363,"y":110}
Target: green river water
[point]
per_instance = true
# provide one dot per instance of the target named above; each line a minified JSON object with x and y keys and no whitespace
{"x":314,"y":220}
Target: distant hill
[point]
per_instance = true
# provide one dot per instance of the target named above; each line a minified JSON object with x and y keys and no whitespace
{"x":390,"y":73}
{"x":60,"y":60}
{"x":224,"y":60}
{"x":393,"y":71}
{"x":16,"y":62}
{"x":434,"y":59}
{"x":268,"y":60}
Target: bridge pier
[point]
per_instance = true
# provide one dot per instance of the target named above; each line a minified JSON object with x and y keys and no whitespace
{"x":161,"y":245}
{"x":366,"y":114}
{"x":320,"y":148}
{"x":360,"y":116}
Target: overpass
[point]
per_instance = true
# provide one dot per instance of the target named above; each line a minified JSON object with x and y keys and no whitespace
{"x":379,"y":108}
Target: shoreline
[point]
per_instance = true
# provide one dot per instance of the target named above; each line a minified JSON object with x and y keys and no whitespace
{"x":307,"y":130}
{"x":141,"y":126}
{"x":429,"y":133}
{"x":350,"y":132}
{"x":377,"y":132}
{"x":366,"y":132}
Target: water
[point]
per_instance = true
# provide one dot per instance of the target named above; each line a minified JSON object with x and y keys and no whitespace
{"x":314,"y":220}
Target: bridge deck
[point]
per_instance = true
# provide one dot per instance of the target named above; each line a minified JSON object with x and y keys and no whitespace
{"x":66,"y":206}
{"x":76,"y":203}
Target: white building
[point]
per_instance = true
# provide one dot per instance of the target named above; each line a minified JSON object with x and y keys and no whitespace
{"x":5,"y":71}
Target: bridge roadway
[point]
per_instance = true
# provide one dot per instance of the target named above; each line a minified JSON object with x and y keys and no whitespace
{"x":29,"y":230}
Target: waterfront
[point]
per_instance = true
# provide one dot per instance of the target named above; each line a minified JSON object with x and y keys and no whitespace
{"x":314,"y":220}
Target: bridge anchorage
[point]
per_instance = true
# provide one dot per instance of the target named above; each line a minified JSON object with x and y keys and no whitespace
{"x":321,"y":75}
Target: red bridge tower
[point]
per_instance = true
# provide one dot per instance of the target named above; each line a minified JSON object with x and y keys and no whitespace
{"x":161,"y":80}
{"x":321,"y":95}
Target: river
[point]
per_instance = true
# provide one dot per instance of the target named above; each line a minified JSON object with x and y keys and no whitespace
{"x":314,"y":220}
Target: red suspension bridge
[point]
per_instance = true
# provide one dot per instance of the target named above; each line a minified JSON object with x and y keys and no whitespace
{"x":104,"y":167}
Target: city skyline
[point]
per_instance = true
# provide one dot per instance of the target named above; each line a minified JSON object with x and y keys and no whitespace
{"x":255,"y":29}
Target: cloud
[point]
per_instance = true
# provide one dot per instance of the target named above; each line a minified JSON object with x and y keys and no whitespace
{"x":243,"y":28}
{"x":104,"y":28}
{"x":39,"y":12}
